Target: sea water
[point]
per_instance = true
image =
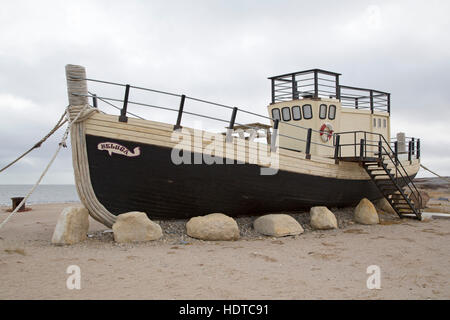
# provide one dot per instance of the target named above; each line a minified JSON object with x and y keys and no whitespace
{"x":45,"y":193}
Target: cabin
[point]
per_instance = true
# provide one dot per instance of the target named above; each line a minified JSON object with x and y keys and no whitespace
{"x":314,"y":99}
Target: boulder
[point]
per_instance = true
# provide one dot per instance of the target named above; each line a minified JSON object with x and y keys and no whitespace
{"x":365,"y":213}
{"x":384,"y":206}
{"x":135,"y":227}
{"x":277,"y":225}
{"x":322,"y":219}
{"x":72,"y":226}
{"x":425,"y":198}
{"x":214,"y":226}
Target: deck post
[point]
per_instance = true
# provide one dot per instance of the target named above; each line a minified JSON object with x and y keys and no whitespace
{"x":180,"y":112}
{"x":380,"y":150}
{"x":316,"y":84}
{"x":308,"y":144}
{"x":336,"y":148}
{"x":231,"y":126}
{"x":76,"y":85}
{"x":418,"y":149}
{"x":389,"y":103}
{"x":123,"y":113}
{"x":338,"y":88}
{"x":409,"y":150}
{"x":273,"y":90}
{"x":273,"y":137}
{"x":294,"y":88}
{"x":396,"y":152}
{"x":361,"y":149}
{"x":94,"y":100}
{"x":371,"y":101}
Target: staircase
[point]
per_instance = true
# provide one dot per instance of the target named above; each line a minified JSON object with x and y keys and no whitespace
{"x":389,"y":187}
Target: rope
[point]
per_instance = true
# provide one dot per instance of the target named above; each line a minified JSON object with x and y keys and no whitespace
{"x":443,"y":178}
{"x":58,"y":125}
{"x":61,"y":144}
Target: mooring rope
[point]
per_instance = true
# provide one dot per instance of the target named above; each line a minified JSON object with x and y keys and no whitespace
{"x":443,"y":178}
{"x":60,"y":145}
{"x":58,"y":125}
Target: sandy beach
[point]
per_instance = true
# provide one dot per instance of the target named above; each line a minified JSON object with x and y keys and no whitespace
{"x":413,"y":256}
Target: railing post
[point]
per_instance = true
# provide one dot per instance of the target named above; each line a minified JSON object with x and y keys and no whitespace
{"x":396,"y":152}
{"x":418,"y":149}
{"x":361,"y":149}
{"x":336,"y":148}
{"x":294,"y":88}
{"x":389,"y":102}
{"x":273,"y":138}
{"x":409,"y":150}
{"x":231,"y":126}
{"x":413,"y":145}
{"x":123,"y":113}
{"x":316,"y":84}
{"x":308,"y":144}
{"x":380,"y":150}
{"x":356,"y":103}
{"x":273,"y":91}
{"x":371,"y":101}
{"x":338,"y":88}
{"x":94,"y":100}
{"x":180,"y":112}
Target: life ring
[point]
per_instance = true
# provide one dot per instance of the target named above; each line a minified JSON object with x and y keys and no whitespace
{"x":326,"y":132}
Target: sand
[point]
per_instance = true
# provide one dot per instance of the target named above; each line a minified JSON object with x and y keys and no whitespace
{"x":413,"y":256}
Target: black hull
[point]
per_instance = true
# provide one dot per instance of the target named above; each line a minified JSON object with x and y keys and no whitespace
{"x":153,"y":184}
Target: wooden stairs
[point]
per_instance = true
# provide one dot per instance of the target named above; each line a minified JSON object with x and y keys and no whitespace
{"x":388,"y":186}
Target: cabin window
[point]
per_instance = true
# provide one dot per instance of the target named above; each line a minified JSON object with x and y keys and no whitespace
{"x":296,"y":113}
{"x":307,"y":111}
{"x":286,"y":113}
{"x":379,"y":123}
{"x":374,"y":122}
{"x":276,"y":114}
{"x":323,"y":111}
{"x":384,"y":123}
{"x":332,"y":112}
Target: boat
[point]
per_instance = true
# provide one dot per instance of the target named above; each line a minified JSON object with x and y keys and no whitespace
{"x":320,"y":143}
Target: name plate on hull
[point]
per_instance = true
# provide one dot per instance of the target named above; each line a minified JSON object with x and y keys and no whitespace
{"x":113,"y":147}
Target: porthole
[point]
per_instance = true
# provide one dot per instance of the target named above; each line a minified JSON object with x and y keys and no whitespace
{"x":307,"y":111}
{"x":286,"y":113}
{"x":323,"y":111}
{"x":276,"y":114}
{"x":296,"y":113}
{"x":332,"y":112}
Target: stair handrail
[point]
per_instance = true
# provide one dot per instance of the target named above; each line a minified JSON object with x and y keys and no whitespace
{"x":408,"y":181}
{"x":397,"y":164}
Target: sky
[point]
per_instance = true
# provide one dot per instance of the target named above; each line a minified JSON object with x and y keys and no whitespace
{"x":222,"y":51}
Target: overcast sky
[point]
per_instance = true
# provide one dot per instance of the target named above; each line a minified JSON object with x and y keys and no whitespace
{"x":223,"y":51}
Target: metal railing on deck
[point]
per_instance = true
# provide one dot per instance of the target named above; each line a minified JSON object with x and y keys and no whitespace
{"x":364,"y":141}
{"x":318,"y":83}
{"x":181,"y":111}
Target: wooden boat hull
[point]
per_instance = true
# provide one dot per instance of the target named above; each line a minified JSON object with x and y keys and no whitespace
{"x":111,"y":183}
